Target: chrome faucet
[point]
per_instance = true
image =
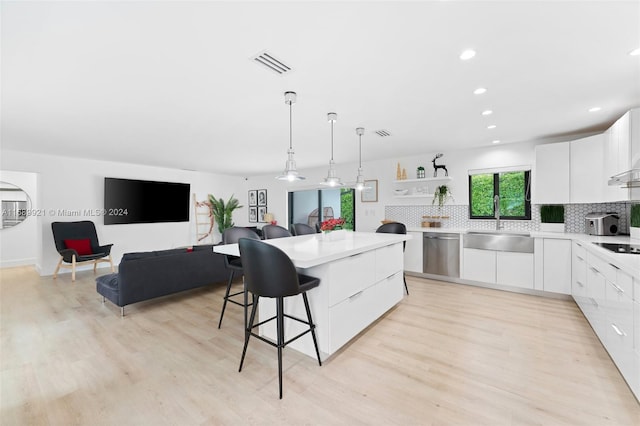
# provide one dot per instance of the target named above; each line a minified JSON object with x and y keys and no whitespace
{"x":496,"y":211}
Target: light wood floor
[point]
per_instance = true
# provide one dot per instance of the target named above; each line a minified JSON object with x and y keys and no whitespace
{"x":447,"y":354}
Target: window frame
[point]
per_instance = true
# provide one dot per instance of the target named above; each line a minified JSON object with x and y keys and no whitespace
{"x":496,"y":190}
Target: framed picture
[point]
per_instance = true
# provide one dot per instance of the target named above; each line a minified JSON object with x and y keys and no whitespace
{"x":262,"y":197}
{"x":253,"y":214}
{"x":253,"y":197}
{"x":262,"y":210}
{"x":370,"y":192}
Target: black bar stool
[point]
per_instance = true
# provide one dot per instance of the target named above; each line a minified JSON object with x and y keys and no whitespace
{"x":269,"y":272}
{"x":234,"y":264}
{"x":395,"y":228}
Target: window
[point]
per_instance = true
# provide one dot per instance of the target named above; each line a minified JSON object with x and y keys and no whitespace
{"x":513,"y":187}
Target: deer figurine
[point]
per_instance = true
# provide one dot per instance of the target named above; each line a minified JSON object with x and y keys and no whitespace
{"x":437,"y":166}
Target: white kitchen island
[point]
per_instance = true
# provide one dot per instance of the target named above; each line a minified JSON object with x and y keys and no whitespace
{"x":360,"y":279}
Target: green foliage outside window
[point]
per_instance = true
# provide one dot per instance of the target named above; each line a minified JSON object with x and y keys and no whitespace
{"x":346,"y":208}
{"x":512,"y":188}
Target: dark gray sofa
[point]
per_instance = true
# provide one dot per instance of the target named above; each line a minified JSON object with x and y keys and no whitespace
{"x":146,"y":275}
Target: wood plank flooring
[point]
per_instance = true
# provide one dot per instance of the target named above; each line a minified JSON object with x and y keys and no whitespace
{"x":447,"y":354}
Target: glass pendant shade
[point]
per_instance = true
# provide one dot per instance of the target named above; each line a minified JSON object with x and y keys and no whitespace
{"x":290,"y":171}
{"x":332,"y":179}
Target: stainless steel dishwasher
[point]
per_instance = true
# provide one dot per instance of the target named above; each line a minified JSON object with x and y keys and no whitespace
{"x":441,"y":254}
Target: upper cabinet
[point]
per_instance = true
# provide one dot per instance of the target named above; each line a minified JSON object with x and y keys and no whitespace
{"x":587,"y":169}
{"x":621,"y":154}
{"x":551,"y":182}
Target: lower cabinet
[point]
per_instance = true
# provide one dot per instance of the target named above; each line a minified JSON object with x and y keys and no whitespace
{"x":605,"y":294}
{"x":498,"y":267}
{"x":556,"y":265}
{"x":413,"y":253}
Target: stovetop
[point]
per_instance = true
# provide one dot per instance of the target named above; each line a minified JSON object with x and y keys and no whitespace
{"x":620,"y":248}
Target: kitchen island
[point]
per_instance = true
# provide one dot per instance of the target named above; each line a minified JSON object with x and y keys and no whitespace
{"x":361,"y":278}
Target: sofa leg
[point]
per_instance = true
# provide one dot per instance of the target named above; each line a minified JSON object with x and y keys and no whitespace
{"x":103,"y":299}
{"x":121,"y":311}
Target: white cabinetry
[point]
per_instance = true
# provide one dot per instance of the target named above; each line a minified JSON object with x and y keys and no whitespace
{"x":608,"y":299}
{"x":622,"y":153}
{"x":497,"y":267}
{"x":479,"y":265}
{"x":551,"y":184}
{"x":587,"y":175}
{"x":413,"y":253}
{"x":553,"y":265}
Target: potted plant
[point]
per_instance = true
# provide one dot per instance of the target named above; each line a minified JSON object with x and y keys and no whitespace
{"x":552,"y":218}
{"x":634,"y":221}
{"x":441,"y":195}
{"x":223,"y":212}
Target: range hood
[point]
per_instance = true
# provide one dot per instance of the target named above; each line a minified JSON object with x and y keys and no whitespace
{"x":628,"y":179}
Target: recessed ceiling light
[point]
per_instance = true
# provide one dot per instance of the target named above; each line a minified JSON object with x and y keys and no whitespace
{"x":496,"y":141}
{"x":479,"y":91}
{"x":594,"y":109}
{"x":635,"y":52}
{"x":487,"y":112}
{"x":467,"y":54}
{"x":491,"y":126}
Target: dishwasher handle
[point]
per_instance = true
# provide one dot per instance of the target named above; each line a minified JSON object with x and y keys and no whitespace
{"x":441,"y":238}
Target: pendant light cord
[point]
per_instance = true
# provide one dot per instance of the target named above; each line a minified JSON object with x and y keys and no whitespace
{"x":332,"y":121}
{"x":290,"y":126}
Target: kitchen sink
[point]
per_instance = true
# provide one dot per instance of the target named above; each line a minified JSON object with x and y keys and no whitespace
{"x":499,"y":241}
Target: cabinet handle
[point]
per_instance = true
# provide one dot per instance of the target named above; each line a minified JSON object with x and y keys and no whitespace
{"x":618,"y":288}
{"x":594,"y":269}
{"x":579,"y":283}
{"x":356,"y":295}
{"x":580,"y":258}
{"x":594,"y":302}
{"x":618,"y":331}
{"x":614,"y":266}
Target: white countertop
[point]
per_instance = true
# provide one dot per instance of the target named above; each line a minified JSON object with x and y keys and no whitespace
{"x":627,"y":262}
{"x":307,"y":251}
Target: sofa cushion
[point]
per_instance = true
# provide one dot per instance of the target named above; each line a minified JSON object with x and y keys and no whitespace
{"x":107,"y":285}
{"x":138,"y":255}
{"x":170,"y":252}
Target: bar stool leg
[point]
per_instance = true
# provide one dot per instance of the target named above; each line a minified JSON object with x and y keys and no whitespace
{"x":405,"y":283}
{"x":247,"y":333}
{"x":280,"y":337}
{"x":312,"y":325}
{"x":226,"y":297}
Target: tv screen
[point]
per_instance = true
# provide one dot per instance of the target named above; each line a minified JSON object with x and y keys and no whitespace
{"x":142,"y":201}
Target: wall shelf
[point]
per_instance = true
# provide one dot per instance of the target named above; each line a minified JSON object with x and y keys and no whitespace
{"x":430,"y":179}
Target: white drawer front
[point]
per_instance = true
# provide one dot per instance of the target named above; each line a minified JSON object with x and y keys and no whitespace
{"x":389,"y":260}
{"x":350,"y":275}
{"x":354,"y":314}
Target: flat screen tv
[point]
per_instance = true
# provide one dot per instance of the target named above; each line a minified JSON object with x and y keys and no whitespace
{"x":143,"y":201}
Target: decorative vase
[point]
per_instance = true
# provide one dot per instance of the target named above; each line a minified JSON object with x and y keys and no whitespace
{"x":552,"y":227}
{"x":635,"y":233}
{"x":334,"y":235}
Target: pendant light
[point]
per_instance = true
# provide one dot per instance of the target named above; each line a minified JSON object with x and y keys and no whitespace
{"x":332,"y":179}
{"x":360,"y":178}
{"x":290,"y":173}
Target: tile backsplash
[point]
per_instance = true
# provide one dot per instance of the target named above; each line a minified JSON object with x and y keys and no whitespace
{"x":458,"y":216}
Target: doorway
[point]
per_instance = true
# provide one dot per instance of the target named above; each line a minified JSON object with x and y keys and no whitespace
{"x":314,"y":206}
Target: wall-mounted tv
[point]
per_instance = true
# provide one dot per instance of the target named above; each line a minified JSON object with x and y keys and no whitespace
{"x":143,"y":201}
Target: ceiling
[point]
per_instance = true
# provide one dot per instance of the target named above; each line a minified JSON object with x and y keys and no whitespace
{"x":173,"y":84}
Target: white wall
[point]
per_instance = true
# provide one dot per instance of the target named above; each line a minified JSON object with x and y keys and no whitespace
{"x":74,"y":184}
{"x":19,"y":244}
{"x":370,"y":214}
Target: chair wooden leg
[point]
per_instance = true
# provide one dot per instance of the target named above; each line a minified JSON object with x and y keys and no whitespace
{"x":247,"y":333}
{"x":55,"y":273}
{"x":111,"y":262}
{"x":226,"y":297}
{"x":280,"y":338}
{"x":95,"y":266}
{"x":73,"y":267}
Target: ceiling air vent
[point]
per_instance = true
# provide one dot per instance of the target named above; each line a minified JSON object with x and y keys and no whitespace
{"x":269,"y":61}
{"x":383,"y":133}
